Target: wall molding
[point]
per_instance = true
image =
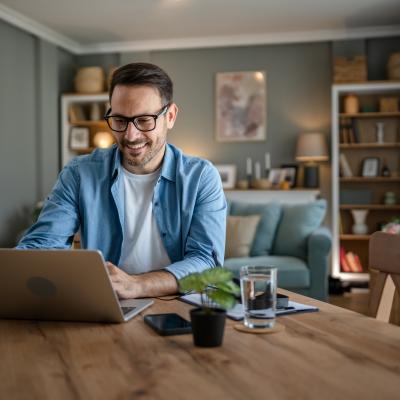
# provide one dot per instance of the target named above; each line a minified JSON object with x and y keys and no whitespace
{"x":244,"y":40}
{"x":50,"y":35}
{"x":35,"y":28}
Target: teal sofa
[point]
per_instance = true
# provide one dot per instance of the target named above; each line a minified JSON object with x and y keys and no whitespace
{"x":291,"y":238}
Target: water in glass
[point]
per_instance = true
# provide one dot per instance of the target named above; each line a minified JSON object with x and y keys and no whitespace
{"x":258,"y":288}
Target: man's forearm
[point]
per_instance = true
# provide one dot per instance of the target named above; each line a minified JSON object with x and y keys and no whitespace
{"x":157,"y":283}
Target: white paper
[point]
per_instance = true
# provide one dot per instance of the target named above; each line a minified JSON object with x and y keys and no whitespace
{"x":237,"y":312}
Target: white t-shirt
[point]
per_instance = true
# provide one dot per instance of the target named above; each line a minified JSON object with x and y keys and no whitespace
{"x":142,"y":247}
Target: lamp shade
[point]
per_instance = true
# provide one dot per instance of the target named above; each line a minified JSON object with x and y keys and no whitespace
{"x":311,"y":147}
{"x":103,"y":139}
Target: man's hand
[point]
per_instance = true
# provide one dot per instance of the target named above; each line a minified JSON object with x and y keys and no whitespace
{"x":152,"y":284}
{"x":126,"y":286}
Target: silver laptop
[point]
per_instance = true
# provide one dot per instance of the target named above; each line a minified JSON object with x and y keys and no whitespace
{"x":64,"y":285}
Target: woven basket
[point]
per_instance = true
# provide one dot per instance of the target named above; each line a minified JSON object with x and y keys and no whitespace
{"x":89,"y":80}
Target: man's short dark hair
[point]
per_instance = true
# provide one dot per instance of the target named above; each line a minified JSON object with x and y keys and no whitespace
{"x":143,"y":74}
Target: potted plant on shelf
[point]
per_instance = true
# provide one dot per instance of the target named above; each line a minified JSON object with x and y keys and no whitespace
{"x":216,"y":288}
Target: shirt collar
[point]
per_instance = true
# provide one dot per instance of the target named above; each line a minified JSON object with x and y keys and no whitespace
{"x":167,"y":170}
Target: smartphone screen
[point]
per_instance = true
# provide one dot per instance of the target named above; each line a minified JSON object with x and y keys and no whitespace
{"x":168,"y":324}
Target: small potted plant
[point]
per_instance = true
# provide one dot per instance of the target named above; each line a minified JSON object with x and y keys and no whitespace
{"x":216,"y":288}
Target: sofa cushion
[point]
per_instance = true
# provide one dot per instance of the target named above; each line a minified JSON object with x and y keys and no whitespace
{"x":240,"y":233}
{"x":296,"y":224}
{"x":265,"y":233}
{"x":292,"y":272}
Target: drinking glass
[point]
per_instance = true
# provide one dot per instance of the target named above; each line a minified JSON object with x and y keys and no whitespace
{"x":258,"y":288}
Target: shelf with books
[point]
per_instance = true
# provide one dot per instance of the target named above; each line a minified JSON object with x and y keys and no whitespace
{"x":365,"y":168}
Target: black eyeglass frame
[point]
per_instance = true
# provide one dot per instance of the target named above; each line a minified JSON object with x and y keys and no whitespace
{"x":134,"y":119}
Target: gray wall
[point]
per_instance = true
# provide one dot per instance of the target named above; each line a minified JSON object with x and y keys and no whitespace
{"x":29,"y":130}
{"x":18,"y":162}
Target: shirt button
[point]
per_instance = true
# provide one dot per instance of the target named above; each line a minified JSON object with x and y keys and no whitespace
{"x":164,"y":234}
{"x":156,"y":203}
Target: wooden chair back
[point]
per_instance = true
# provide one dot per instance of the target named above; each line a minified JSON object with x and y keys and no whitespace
{"x":384,"y":264}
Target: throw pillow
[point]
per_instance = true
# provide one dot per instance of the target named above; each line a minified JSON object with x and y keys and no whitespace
{"x":240,"y":233}
{"x":266,"y":229}
{"x":297,"y":222}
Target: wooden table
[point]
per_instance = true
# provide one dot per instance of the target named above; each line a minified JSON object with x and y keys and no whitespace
{"x":332,"y":354}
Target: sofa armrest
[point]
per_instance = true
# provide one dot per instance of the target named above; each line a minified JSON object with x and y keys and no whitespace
{"x":318,"y":247}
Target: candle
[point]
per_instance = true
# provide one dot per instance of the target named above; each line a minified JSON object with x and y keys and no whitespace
{"x":248,"y":166}
{"x":267,"y":161}
{"x":257,"y":170}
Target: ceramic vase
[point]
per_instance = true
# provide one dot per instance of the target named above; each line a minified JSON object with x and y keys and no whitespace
{"x":359,"y":217}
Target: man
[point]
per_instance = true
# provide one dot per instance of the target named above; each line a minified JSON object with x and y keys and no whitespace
{"x":155,"y":213}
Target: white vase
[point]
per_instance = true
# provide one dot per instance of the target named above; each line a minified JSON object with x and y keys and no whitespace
{"x":380,"y":132}
{"x":359,"y":217}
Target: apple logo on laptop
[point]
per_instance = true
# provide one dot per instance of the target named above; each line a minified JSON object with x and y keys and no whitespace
{"x":41,"y":286}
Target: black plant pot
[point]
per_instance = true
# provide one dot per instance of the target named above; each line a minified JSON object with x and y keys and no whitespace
{"x":208,"y":326}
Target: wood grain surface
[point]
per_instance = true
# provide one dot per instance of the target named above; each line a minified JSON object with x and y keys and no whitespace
{"x":331,"y":354}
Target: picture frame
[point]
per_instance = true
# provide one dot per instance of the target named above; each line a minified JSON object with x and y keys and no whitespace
{"x":370,"y":167}
{"x":79,"y":138}
{"x":240,"y":106}
{"x":276,"y":176}
{"x":228,"y":174}
{"x":290,"y":173}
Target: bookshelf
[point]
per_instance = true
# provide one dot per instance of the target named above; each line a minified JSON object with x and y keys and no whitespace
{"x":77,"y":112}
{"x":358,"y":192}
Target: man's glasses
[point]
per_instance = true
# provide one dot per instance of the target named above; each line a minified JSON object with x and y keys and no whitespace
{"x":143,"y":123}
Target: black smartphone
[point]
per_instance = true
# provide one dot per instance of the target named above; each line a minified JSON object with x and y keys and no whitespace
{"x":168,"y":324}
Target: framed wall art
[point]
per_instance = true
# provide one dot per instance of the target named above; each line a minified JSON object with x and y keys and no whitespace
{"x":228,"y":175}
{"x":241,"y":106}
{"x":79,"y":138}
{"x":370,"y":167}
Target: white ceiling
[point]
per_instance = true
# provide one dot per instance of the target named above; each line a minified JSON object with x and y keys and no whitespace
{"x":85,"y":26}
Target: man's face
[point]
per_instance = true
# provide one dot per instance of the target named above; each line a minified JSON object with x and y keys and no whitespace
{"x":142,"y":152}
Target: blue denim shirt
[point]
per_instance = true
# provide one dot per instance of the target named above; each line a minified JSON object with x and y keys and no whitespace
{"x":188,"y":205}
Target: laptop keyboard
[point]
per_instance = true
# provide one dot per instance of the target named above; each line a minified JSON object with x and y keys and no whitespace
{"x":125,"y":310}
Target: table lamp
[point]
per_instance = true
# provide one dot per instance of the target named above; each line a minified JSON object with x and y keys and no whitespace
{"x":311,"y":149}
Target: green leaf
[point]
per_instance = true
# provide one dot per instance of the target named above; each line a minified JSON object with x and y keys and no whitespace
{"x":216,"y":283}
{"x":216,"y":275}
{"x":192,"y":282}
{"x":229,"y":287}
{"x":223,"y":299}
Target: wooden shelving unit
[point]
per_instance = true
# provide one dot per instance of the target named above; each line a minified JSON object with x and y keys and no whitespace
{"x":361,"y":179}
{"x":363,"y":144}
{"x":371,"y":114}
{"x":354,"y":237}
{"x":83,"y":101}
{"x":100,"y":124}
{"x":382,"y":207}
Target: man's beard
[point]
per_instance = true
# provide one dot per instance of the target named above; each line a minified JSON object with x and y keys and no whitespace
{"x":153,"y":152}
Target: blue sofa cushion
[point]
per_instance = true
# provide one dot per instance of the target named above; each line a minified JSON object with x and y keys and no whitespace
{"x":297,"y":223}
{"x":292,"y":272}
{"x":266,"y":229}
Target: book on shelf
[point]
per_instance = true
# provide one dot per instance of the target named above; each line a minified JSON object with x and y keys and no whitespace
{"x":344,"y":266}
{"x":348,"y":131}
{"x":345,"y":166}
{"x":356,"y":133}
{"x":349,"y":262}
